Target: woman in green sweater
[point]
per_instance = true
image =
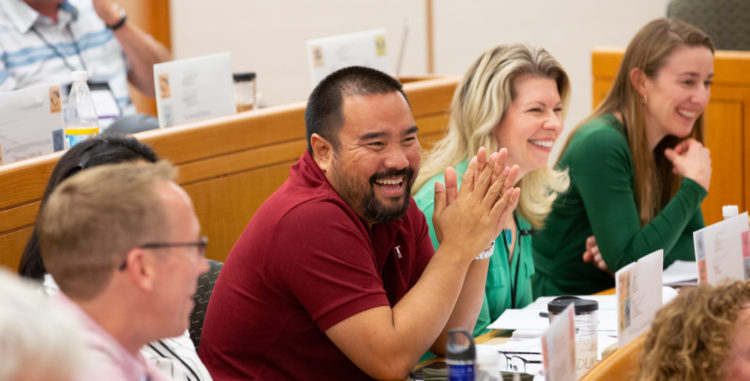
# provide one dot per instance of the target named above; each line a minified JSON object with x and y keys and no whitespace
{"x":514,"y":97}
{"x":637,"y":165}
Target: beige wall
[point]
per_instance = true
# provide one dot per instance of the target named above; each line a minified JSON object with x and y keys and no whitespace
{"x":269,"y":36}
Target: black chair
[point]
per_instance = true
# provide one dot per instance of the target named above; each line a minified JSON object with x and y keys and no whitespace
{"x":206,"y":284}
{"x":726,"y":21}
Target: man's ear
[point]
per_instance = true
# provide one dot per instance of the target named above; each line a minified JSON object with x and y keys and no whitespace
{"x":141,"y":268}
{"x":322,"y":151}
{"x":638,"y":79}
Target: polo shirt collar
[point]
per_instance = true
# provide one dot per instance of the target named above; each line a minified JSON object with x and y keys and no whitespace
{"x":24,"y":16}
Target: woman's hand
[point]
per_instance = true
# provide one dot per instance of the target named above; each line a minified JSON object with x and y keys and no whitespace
{"x":691,"y":160}
{"x":593,"y":255}
{"x":508,"y":176}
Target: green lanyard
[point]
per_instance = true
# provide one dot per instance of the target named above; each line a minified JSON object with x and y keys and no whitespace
{"x":514,"y":283}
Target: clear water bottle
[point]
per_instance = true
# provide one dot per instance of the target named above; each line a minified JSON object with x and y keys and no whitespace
{"x":81,"y":121}
{"x":461,"y":359}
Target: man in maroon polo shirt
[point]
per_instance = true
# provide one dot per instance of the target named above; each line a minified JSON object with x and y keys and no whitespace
{"x":335,"y":276}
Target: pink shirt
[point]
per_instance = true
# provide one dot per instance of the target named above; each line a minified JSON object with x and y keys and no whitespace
{"x":105,"y":358}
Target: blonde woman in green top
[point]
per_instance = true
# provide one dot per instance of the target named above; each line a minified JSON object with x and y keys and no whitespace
{"x":513,"y":97}
{"x":637,"y":165}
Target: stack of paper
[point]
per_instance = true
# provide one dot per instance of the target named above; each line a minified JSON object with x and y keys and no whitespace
{"x":529,"y":322}
{"x":681,"y":273}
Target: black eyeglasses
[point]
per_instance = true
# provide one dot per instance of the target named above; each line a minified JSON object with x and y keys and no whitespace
{"x":201,"y":245}
{"x":515,"y":363}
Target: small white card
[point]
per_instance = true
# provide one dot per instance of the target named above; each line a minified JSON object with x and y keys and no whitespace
{"x":194,"y":89}
{"x":639,"y":296}
{"x":559,"y":348}
{"x":31,"y":123}
{"x":722,"y":250}
{"x":329,"y":54}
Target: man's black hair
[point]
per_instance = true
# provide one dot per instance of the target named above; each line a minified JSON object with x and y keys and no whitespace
{"x":86,"y":154}
{"x":325,"y":115}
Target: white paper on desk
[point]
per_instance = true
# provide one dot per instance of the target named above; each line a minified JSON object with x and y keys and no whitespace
{"x":31,"y":123}
{"x":559,"y":348}
{"x":680,"y":273}
{"x":639,"y":296}
{"x":194,"y":89}
{"x":525,"y":319}
{"x":329,"y":54}
{"x":530,"y":350}
{"x":722,"y":250}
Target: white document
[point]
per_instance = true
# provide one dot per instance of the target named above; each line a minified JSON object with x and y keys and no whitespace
{"x":559,"y":348}
{"x":524,"y":319}
{"x":680,"y":273}
{"x":31,"y":123}
{"x":529,"y":322}
{"x":639,"y":295}
{"x":529,"y":350}
{"x":194,"y":89}
{"x":722,"y":250}
{"x":329,"y":54}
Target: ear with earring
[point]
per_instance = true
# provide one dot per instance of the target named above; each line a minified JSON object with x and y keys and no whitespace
{"x":645,"y":99}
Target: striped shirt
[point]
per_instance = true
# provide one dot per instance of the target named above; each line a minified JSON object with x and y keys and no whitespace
{"x":32,"y":48}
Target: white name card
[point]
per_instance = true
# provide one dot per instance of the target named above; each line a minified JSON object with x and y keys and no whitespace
{"x":31,"y":123}
{"x":559,"y":348}
{"x":639,"y":296}
{"x":722,"y":250}
{"x":329,"y":54}
{"x":194,"y":89}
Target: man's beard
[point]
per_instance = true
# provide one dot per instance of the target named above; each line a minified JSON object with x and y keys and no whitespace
{"x":363,"y":196}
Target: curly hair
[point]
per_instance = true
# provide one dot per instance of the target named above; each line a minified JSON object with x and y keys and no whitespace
{"x":691,"y":337}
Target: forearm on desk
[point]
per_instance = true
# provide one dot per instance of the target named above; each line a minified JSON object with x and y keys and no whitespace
{"x":684,"y":249}
{"x":468,"y":305}
{"x":387,"y":342}
{"x":615,"y":221}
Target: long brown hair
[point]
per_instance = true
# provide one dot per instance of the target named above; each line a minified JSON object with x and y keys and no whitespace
{"x":655,"y":184}
{"x":691,"y":337}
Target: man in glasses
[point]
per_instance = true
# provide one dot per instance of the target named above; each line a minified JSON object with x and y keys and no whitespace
{"x":124,"y":246}
{"x":335,"y":278}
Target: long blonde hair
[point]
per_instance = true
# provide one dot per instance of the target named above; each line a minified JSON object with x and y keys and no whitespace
{"x":655,"y":184}
{"x":479,"y":104}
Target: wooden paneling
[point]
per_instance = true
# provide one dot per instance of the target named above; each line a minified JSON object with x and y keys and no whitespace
{"x":12,"y":245}
{"x":228,"y":166}
{"x":727,"y":119}
{"x":234,"y":199}
{"x":431,"y":129}
{"x":620,"y":365}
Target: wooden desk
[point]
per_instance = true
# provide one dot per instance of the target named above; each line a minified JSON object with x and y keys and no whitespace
{"x":727,"y":122}
{"x":228,"y":166}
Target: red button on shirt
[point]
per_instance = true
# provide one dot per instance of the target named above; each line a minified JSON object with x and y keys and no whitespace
{"x":304,"y":263}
